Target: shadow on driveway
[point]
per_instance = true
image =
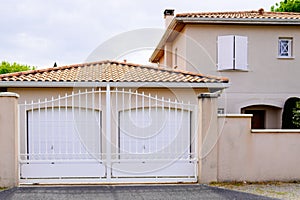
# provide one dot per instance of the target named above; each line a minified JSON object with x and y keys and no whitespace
{"x":131,"y":192}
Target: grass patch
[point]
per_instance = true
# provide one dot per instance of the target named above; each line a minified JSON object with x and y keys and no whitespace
{"x":259,"y":191}
{"x":277,"y":189}
{"x":224,"y":184}
{"x":277,"y":192}
{"x":243,"y":183}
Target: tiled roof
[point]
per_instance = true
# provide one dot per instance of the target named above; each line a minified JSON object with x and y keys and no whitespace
{"x":109,"y":71}
{"x":260,"y":14}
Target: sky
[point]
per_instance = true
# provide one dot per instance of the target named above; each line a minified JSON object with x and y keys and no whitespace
{"x":39,"y":33}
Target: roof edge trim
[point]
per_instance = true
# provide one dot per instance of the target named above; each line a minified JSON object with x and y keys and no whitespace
{"x":114,"y":84}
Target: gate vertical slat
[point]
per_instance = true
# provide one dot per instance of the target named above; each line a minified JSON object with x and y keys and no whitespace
{"x":66,"y":124}
{"x":117,"y":116}
{"x":189,"y":131}
{"x":151,"y":150}
{"x":99,"y":123}
{"x":25,"y":150}
{"x":95,"y":153}
{"x":143,"y":119}
{"x":46,"y":131}
{"x":175,"y":124}
{"x":108,"y":133}
{"x":76,"y":121}
{"x":123,"y":114}
{"x":178,"y":128}
{"x":156,"y":104}
{"x":136,"y":118}
{"x":31,"y":127}
{"x":169,"y":128}
{"x":163,"y":111}
{"x":130,"y":103}
{"x":52,"y":128}
{"x":72,"y":121}
{"x":39,"y":127}
{"x":86,"y":122}
{"x":59,"y":125}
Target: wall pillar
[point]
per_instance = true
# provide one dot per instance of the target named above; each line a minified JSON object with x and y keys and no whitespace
{"x":8,"y":139}
{"x":208,"y":138}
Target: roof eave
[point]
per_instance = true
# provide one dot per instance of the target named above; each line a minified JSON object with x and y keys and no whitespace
{"x":31,"y":84}
{"x":160,"y":47}
{"x":255,"y":21}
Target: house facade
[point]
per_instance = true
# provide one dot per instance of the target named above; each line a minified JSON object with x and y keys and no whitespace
{"x":112,"y":122}
{"x":257,"y":50}
{"x":120,"y":122}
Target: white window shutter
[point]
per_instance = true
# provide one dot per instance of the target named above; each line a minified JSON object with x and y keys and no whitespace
{"x":290,"y":48}
{"x":241,"y":53}
{"x":225,"y":52}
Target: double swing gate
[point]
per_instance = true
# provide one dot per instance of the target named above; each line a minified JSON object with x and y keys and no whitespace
{"x":107,"y":136}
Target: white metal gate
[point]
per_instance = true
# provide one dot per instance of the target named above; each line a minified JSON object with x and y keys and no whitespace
{"x":107,"y":136}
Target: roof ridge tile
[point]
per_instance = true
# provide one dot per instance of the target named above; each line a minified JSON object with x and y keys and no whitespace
{"x":260,"y":14}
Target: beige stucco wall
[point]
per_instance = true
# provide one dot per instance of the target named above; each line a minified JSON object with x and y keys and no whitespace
{"x":268,"y":81}
{"x":168,"y":55}
{"x":256,"y":156}
{"x":8,"y":140}
{"x":180,"y":45}
{"x":34,"y":94}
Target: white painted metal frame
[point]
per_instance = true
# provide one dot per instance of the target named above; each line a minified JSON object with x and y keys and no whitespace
{"x":95,"y":154}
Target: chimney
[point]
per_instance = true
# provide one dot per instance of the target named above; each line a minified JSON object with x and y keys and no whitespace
{"x":168,"y":15}
{"x":261,"y":11}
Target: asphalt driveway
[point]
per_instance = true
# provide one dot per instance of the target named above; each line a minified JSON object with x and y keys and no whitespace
{"x":164,"y":192}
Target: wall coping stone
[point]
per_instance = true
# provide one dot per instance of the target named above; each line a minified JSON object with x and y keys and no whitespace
{"x":235,"y":115}
{"x":275,"y":131}
{"x":9,"y":94}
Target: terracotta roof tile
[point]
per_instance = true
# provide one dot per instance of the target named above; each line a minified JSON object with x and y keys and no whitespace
{"x":110,"y":71}
{"x":260,"y":14}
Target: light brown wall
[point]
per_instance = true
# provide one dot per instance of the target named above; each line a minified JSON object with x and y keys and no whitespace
{"x":180,"y":45}
{"x":256,"y":156}
{"x":8,"y":140}
{"x":34,"y":94}
{"x":168,"y":55}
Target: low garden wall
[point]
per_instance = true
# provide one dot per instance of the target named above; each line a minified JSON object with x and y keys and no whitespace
{"x":256,"y":155}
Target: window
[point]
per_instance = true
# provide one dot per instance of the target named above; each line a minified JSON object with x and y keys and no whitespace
{"x":176,"y":59}
{"x":221,"y":111}
{"x":285,"y":47}
{"x":232,"y":52}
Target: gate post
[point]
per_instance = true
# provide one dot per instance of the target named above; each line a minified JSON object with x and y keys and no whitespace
{"x":9,"y":139}
{"x":208,"y":138}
